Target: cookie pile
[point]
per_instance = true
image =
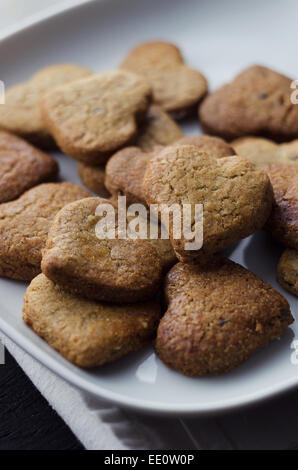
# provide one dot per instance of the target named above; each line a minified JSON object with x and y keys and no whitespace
{"x":95,"y":298}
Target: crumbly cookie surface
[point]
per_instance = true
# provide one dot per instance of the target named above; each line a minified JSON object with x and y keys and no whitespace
{"x":162,"y":245}
{"x":165,"y":252}
{"x":24,"y":225}
{"x":21,"y":113}
{"x":214,"y":146}
{"x":93,"y":177}
{"x":287,"y":271}
{"x":22,"y":166}
{"x":113,"y":270}
{"x":158,"y":128}
{"x":125,"y":172}
{"x":218,"y":316}
{"x":176,"y":87}
{"x":85,"y":332}
{"x":237,"y":197}
{"x":265,"y":152}
{"x":257,"y":102}
{"x":283,"y":221}
{"x":93,"y":117}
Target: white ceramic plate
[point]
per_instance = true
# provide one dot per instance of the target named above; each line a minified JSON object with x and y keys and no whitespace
{"x":219,"y":38}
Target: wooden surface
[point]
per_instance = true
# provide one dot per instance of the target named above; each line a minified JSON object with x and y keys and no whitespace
{"x":27,"y":422}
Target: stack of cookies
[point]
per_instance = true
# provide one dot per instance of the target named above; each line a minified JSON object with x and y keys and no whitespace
{"x":95,"y":298}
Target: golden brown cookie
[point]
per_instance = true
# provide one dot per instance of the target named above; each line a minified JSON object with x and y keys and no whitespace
{"x":218,"y":316}
{"x":113,"y":270}
{"x":22,"y":166}
{"x":283,"y":221}
{"x":158,"y":128}
{"x":288,"y":153}
{"x":125,"y":171}
{"x":256,"y":102}
{"x":258,"y":150}
{"x":214,"y":146}
{"x":287,"y":271}
{"x":265,"y":152}
{"x":93,"y":177}
{"x":165,"y":252}
{"x":24,"y":225}
{"x":237,"y":197}
{"x":21,"y":112}
{"x":176,"y":87}
{"x":163,"y":246}
{"x":85,"y":332}
{"x":93,"y":117}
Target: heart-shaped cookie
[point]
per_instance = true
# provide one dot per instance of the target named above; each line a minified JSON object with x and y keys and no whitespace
{"x":125,"y":170}
{"x":21,"y":112}
{"x":86,"y":332}
{"x":92,"y":117}
{"x":236,"y":196}
{"x":218,"y":315}
{"x":265,"y":152}
{"x":109,"y":269}
{"x":24,"y":226}
{"x":22,"y":166}
{"x":176,"y":87}
{"x":256,"y":102}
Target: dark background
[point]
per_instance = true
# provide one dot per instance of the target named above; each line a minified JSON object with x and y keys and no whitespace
{"x":27,"y":422}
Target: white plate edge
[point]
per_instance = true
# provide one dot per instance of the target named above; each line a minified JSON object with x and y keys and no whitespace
{"x":41,"y":16}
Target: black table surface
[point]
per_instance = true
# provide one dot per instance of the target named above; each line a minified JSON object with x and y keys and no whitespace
{"x":27,"y":421}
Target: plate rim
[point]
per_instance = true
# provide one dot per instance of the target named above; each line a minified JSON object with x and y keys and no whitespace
{"x":41,"y":16}
{"x":137,"y":404}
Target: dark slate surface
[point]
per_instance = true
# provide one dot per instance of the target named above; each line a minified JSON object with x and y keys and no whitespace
{"x":27,"y":422}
